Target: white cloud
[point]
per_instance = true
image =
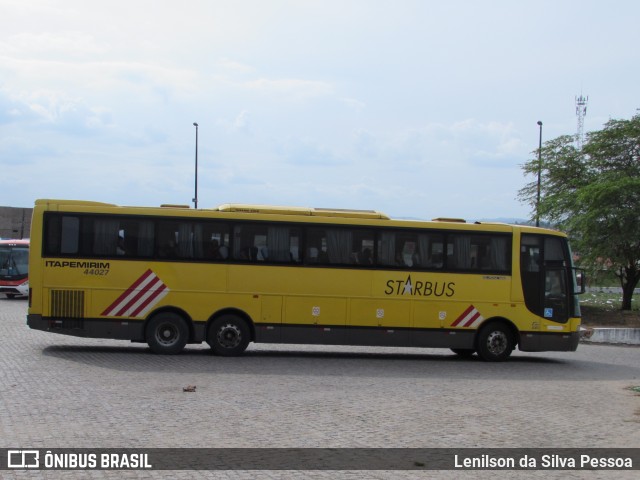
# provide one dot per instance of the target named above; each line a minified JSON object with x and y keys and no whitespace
{"x":353,"y":103}
{"x":233,"y":66}
{"x":48,"y":44}
{"x":415,"y":108}
{"x":239,"y":124}
{"x":291,"y":87}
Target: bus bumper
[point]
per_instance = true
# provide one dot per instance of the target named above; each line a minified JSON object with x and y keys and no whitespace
{"x":548,"y":342}
{"x":89,"y":328}
{"x":20,"y":288}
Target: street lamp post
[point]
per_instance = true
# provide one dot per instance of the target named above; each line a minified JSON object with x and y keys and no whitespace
{"x":195,"y":199}
{"x":539,"y":175}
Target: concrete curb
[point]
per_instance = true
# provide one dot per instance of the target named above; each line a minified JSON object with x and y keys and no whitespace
{"x":622,"y":336}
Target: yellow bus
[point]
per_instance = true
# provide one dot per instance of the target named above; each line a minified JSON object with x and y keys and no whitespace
{"x":171,"y":276}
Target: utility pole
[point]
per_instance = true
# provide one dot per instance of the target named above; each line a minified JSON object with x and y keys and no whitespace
{"x":539,"y":175}
{"x":195,"y":198}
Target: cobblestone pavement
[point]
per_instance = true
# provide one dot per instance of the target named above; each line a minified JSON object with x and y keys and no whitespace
{"x":58,"y":391}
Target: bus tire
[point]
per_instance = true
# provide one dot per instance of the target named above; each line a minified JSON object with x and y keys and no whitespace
{"x":495,"y":342}
{"x":229,"y":335}
{"x":463,"y":352}
{"x":167,"y":333}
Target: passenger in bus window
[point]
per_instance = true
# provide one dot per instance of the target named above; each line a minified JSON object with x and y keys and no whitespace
{"x":366,"y":257}
{"x":323,"y":257}
{"x":249,"y":253}
{"x":120,"y":250}
{"x":553,"y":283}
{"x":312,"y":255}
{"x":168,"y":249}
{"x":214,"y":251}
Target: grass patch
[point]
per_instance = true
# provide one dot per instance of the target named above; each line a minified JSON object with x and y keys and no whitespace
{"x":606,"y":301}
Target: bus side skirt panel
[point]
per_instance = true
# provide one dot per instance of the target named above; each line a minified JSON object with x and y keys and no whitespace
{"x":90,"y":328}
{"x":364,"y":336}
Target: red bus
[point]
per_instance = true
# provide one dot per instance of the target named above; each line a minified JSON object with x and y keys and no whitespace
{"x":14,"y":266}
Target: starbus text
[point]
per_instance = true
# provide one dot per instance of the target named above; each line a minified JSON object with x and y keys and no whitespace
{"x":419,"y":288}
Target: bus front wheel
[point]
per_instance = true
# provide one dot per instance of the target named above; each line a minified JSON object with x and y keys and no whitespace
{"x":167,"y":333}
{"x":228,"y":336}
{"x":495,"y":342}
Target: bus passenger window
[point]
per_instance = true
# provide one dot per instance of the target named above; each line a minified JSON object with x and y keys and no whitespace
{"x":105,"y":236}
{"x":479,"y":253}
{"x":213,"y":242}
{"x":167,"y":249}
{"x":52,"y":234}
{"x":214,"y":250}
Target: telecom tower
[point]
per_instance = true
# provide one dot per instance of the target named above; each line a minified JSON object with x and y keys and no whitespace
{"x":581,"y":111}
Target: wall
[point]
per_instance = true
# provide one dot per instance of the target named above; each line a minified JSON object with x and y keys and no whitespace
{"x":15,"y":222}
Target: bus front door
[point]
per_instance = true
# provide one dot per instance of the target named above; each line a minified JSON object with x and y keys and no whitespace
{"x":543,"y":268}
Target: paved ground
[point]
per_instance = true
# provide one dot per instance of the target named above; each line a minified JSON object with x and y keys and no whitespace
{"x":58,"y":391}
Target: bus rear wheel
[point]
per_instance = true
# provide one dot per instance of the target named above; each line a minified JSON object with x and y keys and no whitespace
{"x":228,"y":336}
{"x":495,"y":342}
{"x":167,"y":333}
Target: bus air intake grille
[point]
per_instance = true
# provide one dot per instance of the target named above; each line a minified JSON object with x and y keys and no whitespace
{"x":67,"y":304}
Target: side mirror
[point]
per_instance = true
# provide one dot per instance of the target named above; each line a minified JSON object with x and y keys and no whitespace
{"x":580,"y":281}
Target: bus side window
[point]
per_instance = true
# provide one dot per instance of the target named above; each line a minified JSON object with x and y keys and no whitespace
{"x":145,"y":236}
{"x":135,"y":238}
{"x":282,"y":244}
{"x":52,"y":234}
{"x":166,"y":243}
{"x":479,"y":252}
{"x":70,"y":235}
{"x":362,"y":248}
{"x":387,"y":249}
{"x":247,"y":241}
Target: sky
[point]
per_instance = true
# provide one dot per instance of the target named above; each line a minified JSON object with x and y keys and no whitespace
{"x":419,"y":109}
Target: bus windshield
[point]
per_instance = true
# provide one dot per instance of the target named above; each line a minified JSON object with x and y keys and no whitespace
{"x":14,"y":261}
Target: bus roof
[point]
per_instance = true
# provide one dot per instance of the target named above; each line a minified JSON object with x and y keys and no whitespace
{"x":340,"y":215}
{"x":306,"y":211}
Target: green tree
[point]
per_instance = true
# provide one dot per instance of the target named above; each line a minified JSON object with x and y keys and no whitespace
{"x":594,"y":195}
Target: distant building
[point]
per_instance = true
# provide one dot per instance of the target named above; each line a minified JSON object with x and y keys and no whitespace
{"x":15,"y":222}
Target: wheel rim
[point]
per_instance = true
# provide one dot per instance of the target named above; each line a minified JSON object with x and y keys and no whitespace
{"x":497,"y":342}
{"x":167,"y":334}
{"x":229,"y":336}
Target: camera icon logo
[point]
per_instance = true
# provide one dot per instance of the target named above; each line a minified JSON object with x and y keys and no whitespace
{"x":23,"y":458}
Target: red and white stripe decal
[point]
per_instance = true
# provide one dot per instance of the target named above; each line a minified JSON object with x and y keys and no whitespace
{"x":139,"y":298}
{"x":469,"y":318}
